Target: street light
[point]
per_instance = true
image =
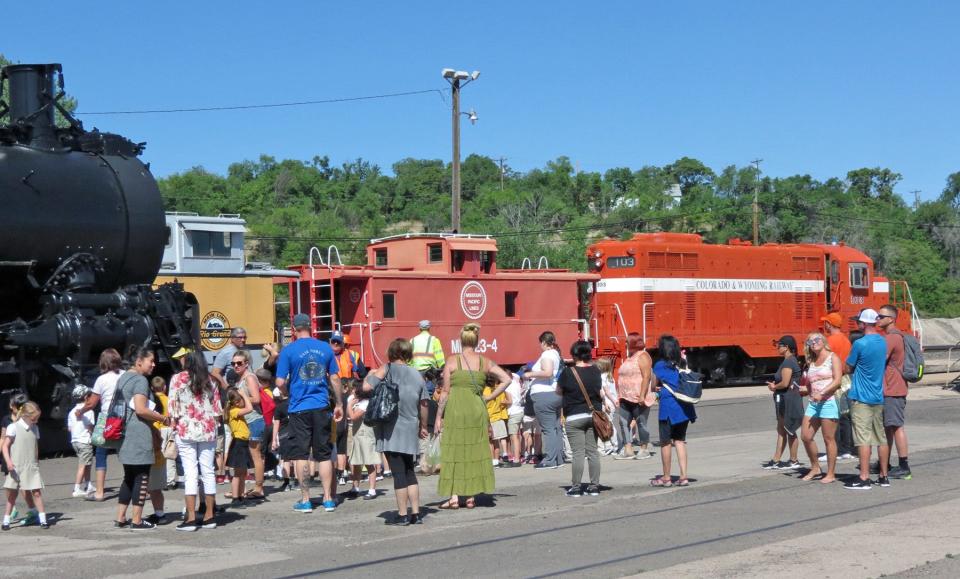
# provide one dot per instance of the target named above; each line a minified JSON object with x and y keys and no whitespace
{"x":458,"y":79}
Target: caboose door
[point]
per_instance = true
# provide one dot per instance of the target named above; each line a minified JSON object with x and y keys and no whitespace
{"x":611,"y":336}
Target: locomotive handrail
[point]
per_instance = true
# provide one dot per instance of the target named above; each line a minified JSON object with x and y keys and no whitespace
{"x":543,"y":262}
{"x":310,"y":257}
{"x":330,"y":250}
{"x":586,"y":327}
{"x":623,"y":324}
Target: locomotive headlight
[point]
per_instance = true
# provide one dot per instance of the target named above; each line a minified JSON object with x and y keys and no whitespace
{"x":598,"y":263}
{"x":597,"y":254}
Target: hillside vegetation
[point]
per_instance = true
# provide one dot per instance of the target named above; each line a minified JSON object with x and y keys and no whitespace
{"x":555,"y":211}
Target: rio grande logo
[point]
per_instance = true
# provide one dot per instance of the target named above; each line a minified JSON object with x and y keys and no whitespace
{"x":214,"y":330}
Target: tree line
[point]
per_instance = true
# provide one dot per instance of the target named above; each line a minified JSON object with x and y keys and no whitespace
{"x":555,"y":211}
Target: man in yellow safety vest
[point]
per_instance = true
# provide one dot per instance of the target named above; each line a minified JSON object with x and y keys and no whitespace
{"x":427,"y":350}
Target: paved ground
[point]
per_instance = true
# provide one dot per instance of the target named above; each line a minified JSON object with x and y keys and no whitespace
{"x":735,"y":520}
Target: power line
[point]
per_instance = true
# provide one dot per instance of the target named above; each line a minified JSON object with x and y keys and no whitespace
{"x":266,"y":106}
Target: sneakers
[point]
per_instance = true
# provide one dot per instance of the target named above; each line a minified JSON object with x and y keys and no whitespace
{"x":32,"y":518}
{"x":44,"y":525}
{"x":367,"y":497}
{"x":4,"y":527}
{"x":221,"y":479}
{"x":187,"y":526}
{"x":77,"y":493}
{"x":624,"y":457}
{"x":142,"y":526}
{"x":156,"y":519}
{"x":285,"y":486}
{"x":303,"y":507}
{"x":846,"y":456}
{"x":788,"y":465}
{"x":822,"y":457}
{"x":769,"y":465}
{"x":342,"y":481}
{"x":901,"y":473}
{"x":398,"y":521}
{"x":883,"y":481}
{"x":511,"y":464}
{"x":593,"y":490}
{"x":643,"y":455}
{"x":209,"y":524}
{"x":330,"y":506}
{"x":859,"y":484}
{"x":541,"y":466}
{"x":574,"y":492}
{"x":121,"y":524}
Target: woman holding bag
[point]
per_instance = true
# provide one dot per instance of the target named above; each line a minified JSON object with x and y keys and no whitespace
{"x":398,"y":439}
{"x":581,"y":388}
{"x":194,"y":408}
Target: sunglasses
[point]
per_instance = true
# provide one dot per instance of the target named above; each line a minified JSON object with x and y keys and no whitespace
{"x":883,"y":316}
{"x":240,"y":337}
{"x":238,"y":363}
{"x":813,"y":342}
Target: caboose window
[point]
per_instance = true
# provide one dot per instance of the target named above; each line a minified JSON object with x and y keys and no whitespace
{"x":435,"y":252}
{"x":510,"y":305}
{"x":858,"y":275}
{"x":211,"y":243}
{"x":380,"y":257}
{"x":389,"y":305}
{"x":486,"y":261}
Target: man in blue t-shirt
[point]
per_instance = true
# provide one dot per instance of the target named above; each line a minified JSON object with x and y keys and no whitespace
{"x":867,"y":362}
{"x":307,"y":370}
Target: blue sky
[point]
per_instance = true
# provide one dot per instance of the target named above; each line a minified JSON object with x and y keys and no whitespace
{"x":811,"y":87}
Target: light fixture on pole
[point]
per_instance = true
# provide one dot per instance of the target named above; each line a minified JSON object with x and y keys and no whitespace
{"x":458,"y":79}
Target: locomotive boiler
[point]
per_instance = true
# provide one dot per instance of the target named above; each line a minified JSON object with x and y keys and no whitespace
{"x":82,"y":234}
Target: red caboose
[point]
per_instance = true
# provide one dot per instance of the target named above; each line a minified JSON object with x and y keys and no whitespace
{"x":448,"y":279}
{"x":727,"y":303}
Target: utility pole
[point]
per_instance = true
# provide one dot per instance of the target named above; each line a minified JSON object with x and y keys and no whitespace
{"x":501,"y":159}
{"x":756,"y":203}
{"x":916,"y":199}
{"x":454,"y":77}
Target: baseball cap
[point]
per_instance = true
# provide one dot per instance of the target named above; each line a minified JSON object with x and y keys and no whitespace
{"x":301,"y":322}
{"x":424,"y":324}
{"x":789,"y":341}
{"x":80,"y":392}
{"x":834,"y":319}
{"x":336,"y":337}
{"x":868,"y":316}
{"x":181,"y":353}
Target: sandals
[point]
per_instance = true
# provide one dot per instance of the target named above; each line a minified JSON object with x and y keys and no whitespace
{"x":683,"y":482}
{"x":450,"y":505}
{"x":255,"y":496}
{"x":661,"y":482}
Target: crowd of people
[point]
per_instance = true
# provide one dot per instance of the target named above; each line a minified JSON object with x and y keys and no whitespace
{"x":313,"y":412}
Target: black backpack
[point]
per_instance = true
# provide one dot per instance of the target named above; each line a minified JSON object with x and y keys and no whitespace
{"x":383,"y":407}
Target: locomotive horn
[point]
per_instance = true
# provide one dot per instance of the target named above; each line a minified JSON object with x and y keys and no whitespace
{"x":33,"y":103}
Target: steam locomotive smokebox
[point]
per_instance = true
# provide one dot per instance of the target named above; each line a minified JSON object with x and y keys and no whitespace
{"x":65,"y":194}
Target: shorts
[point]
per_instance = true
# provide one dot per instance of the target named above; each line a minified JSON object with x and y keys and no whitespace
{"x":283,"y":443}
{"x":498,"y":429}
{"x":827,"y":409}
{"x":158,"y":478}
{"x":779,"y":405}
{"x":84,"y":452}
{"x":310,"y":430}
{"x":894,"y":410}
{"x":867,"y":424}
{"x":673,"y":432}
{"x":531,"y":425}
{"x":513,"y":424}
{"x":239,"y":456}
{"x":256,"y":429}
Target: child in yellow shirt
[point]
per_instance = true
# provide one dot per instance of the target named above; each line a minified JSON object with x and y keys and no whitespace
{"x":497,"y":411}
{"x":238,"y":458}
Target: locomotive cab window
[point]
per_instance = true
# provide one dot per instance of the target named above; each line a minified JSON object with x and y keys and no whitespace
{"x":211,"y":243}
{"x":389,"y":305}
{"x":858,"y":275}
{"x":380,"y":257}
{"x":435,"y":253}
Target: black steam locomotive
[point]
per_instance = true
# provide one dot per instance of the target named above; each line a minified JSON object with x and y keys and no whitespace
{"x":82,"y":234}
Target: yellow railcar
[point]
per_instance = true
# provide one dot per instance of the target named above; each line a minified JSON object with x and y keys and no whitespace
{"x":206,"y":255}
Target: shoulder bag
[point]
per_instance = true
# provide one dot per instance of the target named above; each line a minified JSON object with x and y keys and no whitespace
{"x":601,"y":423}
{"x":384,"y":403}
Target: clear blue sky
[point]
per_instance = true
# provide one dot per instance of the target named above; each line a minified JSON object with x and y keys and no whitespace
{"x":810,"y":87}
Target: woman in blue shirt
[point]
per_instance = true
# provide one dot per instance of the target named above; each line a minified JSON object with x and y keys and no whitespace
{"x":674,"y":415}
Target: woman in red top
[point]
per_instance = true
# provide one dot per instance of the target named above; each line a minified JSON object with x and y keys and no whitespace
{"x":635,"y":398}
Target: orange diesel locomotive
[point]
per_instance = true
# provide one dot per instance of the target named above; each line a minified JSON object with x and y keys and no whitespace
{"x":727,"y":303}
{"x":448,"y":279}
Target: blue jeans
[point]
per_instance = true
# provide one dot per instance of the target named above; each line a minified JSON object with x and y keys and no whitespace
{"x":101,"y":458}
{"x":256,"y":429}
{"x":546,"y":406}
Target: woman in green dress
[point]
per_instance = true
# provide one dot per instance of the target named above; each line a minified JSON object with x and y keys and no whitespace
{"x":465,"y":464}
